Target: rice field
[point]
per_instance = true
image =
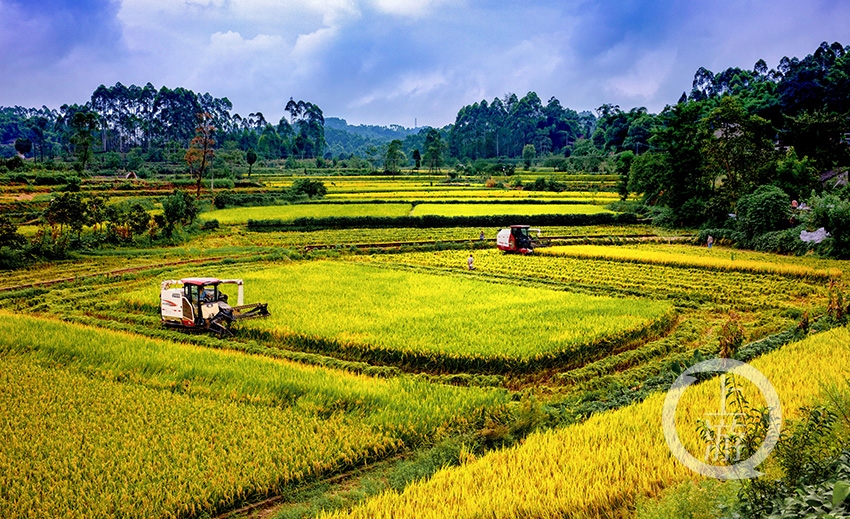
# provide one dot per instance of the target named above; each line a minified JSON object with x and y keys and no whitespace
{"x":499,"y":209}
{"x":599,"y":467}
{"x":98,"y":423}
{"x":446,"y":323}
{"x":240,"y":215}
{"x":690,"y":256}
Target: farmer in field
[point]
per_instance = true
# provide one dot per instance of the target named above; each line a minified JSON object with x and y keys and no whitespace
{"x":469,"y":264}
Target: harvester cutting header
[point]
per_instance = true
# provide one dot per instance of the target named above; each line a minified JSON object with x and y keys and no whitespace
{"x":197,"y":304}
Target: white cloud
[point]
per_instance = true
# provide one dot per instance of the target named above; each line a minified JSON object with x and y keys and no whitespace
{"x":411,"y":9}
{"x":410,"y":85}
{"x":644,"y":79}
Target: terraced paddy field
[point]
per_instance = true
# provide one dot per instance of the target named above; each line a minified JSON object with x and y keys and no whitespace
{"x":426,"y":321}
{"x":545,"y":374}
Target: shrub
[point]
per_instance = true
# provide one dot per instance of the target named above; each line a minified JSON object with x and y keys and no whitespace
{"x":767,"y":209}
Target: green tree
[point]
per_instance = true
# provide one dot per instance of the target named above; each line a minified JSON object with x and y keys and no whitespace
{"x":738,"y":148}
{"x":766,"y":209}
{"x":9,"y":236}
{"x":66,"y":210}
{"x":624,"y":165}
{"x":434,"y":148}
{"x":796,"y":176}
{"x":23,"y":146}
{"x":83,"y":123}
{"x":833,"y":214}
{"x":528,"y":155}
{"x":417,"y":159}
{"x":309,"y":188}
{"x":178,"y":209}
{"x":394,"y":158}
{"x":251,"y":158}
{"x":201,"y":150}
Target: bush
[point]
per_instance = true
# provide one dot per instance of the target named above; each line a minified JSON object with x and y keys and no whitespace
{"x":309,"y":188}
{"x":783,"y":242}
{"x":767,"y":209}
{"x":833,"y":213}
{"x":15,"y":163}
{"x":210,"y":225}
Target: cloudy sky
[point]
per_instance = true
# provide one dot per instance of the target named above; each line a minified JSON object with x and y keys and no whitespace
{"x":398,"y":61}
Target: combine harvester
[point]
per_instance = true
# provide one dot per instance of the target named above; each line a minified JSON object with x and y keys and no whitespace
{"x":516,"y":239}
{"x":196,"y":304}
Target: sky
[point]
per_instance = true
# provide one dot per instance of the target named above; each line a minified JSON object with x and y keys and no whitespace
{"x":400,"y":62}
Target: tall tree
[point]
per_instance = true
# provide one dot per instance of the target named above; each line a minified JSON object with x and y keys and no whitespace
{"x":201,"y":150}
{"x":394,"y":158}
{"x":434,"y":147}
{"x":83,"y":123}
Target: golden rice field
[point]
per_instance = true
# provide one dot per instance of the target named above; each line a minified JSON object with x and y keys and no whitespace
{"x":101,"y":423}
{"x":689,"y":256}
{"x":237,"y":215}
{"x":461,"y":193}
{"x":742,"y":289}
{"x":450,"y":322}
{"x":598,"y":468}
{"x":98,"y":423}
{"x":499,"y":209}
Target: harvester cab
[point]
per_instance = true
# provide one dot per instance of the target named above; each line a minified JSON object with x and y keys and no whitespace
{"x":197,"y":304}
{"x":516,"y":238}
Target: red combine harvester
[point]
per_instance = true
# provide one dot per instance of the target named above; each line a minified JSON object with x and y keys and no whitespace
{"x":516,"y":239}
{"x":196,"y":304}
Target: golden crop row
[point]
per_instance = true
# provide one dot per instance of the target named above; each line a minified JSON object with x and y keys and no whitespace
{"x":682,"y":257}
{"x":739,"y":289}
{"x":77,"y":447}
{"x":98,"y":423}
{"x":598,"y":468}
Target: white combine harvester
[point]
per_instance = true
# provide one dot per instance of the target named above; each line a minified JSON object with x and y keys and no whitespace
{"x":516,"y":238}
{"x":196,"y":304}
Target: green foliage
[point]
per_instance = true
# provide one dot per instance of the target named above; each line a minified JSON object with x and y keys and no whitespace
{"x":546,"y":184}
{"x":832,"y":213}
{"x":796,"y":176}
{"x":377,"y":222}
{"x":309,"y":188}
{"x":528,"y":155}
{"x":394,"y":158}
{"x":767,"y":209}
{"x":707,"y":499}
{"x":178,"y":208}
{"x":624,"y":165}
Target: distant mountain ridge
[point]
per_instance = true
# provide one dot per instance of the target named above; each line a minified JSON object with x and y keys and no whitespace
{"x":342,"y":137}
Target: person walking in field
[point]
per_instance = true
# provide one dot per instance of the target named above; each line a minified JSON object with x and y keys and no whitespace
{"x":710,"y":241}
{"x":481,"y":236}
{"x":469,"y":264}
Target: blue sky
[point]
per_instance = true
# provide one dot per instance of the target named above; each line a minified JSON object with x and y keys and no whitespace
{"x":395,"y":61}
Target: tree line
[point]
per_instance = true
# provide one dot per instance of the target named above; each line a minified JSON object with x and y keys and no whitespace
{"x":120,"y":119}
